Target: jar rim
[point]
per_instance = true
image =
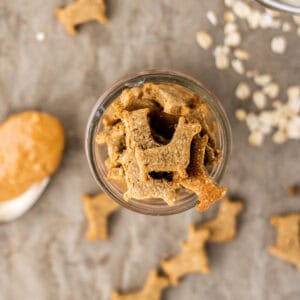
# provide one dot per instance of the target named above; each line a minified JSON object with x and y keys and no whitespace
{"x":136,"y":79}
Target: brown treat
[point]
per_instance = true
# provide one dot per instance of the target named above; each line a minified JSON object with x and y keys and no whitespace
{"x":293,"y":190}
{"x":31,"y":148}
{"x":97,"y":210}
{"x":115,"y":173}
{"x":152,"y":289}
{"x":193,"y":257}
{"x":288,"y":238}
{"x":152,"y":188}
{"x":212,"y":156}
{"x":132,"y":99}
{"x":223,"y":227}
{"x":111,"y":117}
{"x":138,"y":132}
{"x":173,"y":157}
{"x":81,"y":11}
{"x":114,"y":138}
{"x":174,"y":98}
{"x":198,"y":180}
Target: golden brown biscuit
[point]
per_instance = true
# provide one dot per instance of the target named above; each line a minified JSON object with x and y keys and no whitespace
{"x":288,"y":238}
{"x":31,"y":149}
{"x":81,"y":11}
{"x":193,"y":257}
{"x":223,"y":227}
{"x":152,"y":289}
{"x":173,"y":157}
{"x":97,"y":210}
{"x":198,"y":180}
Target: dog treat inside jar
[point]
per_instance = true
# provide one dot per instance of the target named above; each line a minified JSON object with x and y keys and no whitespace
{"x":160,"y":144}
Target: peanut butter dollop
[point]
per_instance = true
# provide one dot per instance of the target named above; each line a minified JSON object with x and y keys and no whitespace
{"x":31,"y":146}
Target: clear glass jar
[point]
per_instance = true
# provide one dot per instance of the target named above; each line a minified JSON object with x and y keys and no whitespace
{"x":96,"y":154}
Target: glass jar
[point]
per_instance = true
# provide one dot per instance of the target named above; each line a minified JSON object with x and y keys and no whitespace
{"x":290,"y":6}
{"x":96,"y":154}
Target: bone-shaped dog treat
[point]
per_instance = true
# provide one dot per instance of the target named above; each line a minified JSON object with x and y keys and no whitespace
{"x":173,"y":157}
{"x":133,"y":99}
{"x":81,"y":11}
{"x":152,"y":188}
{"x":152,"y":289}
{"x":97,"y":210}
{"x":114,"y":138}
{"x":198,"y":180}
{"x":193,"y":257}
{"x":174,"y":99}
{"x":223,"y":227}
{"x":288,"y":238}
{"x":138,"y":132}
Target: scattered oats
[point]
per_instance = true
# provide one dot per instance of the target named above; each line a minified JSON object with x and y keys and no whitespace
{"x":222,"y":61}
{"x":251,"y":73}
{"x":212,"y":18}
{"x":259,"y":99}
{"x":241,"y":54}
{"x":272,"y":12}
{"x":204,"y":40}
{"x":265,"y":123}
{"x":296,"y":19}
{"x":277,"y":104}
{"x":241,"y":114}
{"x":276,"y":24}
{"x":278,"y":44}
{"x":252,"y":122}
{"x":241,"y":9}
{"x":230,"y":27}
{"x":232,"y":39}
{"x":279,"y":137}
{"x":222,"y":50}
{"x":256,"y":138}
{"x":293,"y":92}
{"x":266,"y":21}
{"x":40,"y":36}
{"x":271,"y":90}
{"x":293,"y":128}
{"x":238,"y":66}
{"x":286,"y":27}
{"x":253,"y":19}
{"x":229,"y":16}
{"x":242,"y":91}
{"x":229,"y":3}
{"x":263,"y":79}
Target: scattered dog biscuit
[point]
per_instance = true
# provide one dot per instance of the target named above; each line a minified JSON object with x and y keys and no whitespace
{"x":173,"y":157}
{"x":152,"y":188}
{"x":288,"y":238}
{"x":193,"y":257}
{"x":152,"y":289}
{"x":81,"y":11}
{"x":198,"y":181}
{"x":223,"y":227}
{"x":97,"y":210}
{"x":293,"y":190}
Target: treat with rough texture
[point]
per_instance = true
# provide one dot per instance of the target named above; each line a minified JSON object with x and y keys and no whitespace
{"x":114,"y":138}
{"x":223,"y":227}
{"x":173,"y":157}
{"x":198,"y":180}
{"x":31,"y":148}
{"x":138,"y":129}
{"x":152,"y":289}
{"x":152,"y":132}
{"x":97,"y":210}
{"x":81,"y":11}
{"x":288,"y":238}
{"x":152,"y":188}
{"x":174,"y":99}
{"x":193,"y":257}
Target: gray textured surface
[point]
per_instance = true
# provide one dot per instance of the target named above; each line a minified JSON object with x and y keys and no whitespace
{"x":44,"y":255}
